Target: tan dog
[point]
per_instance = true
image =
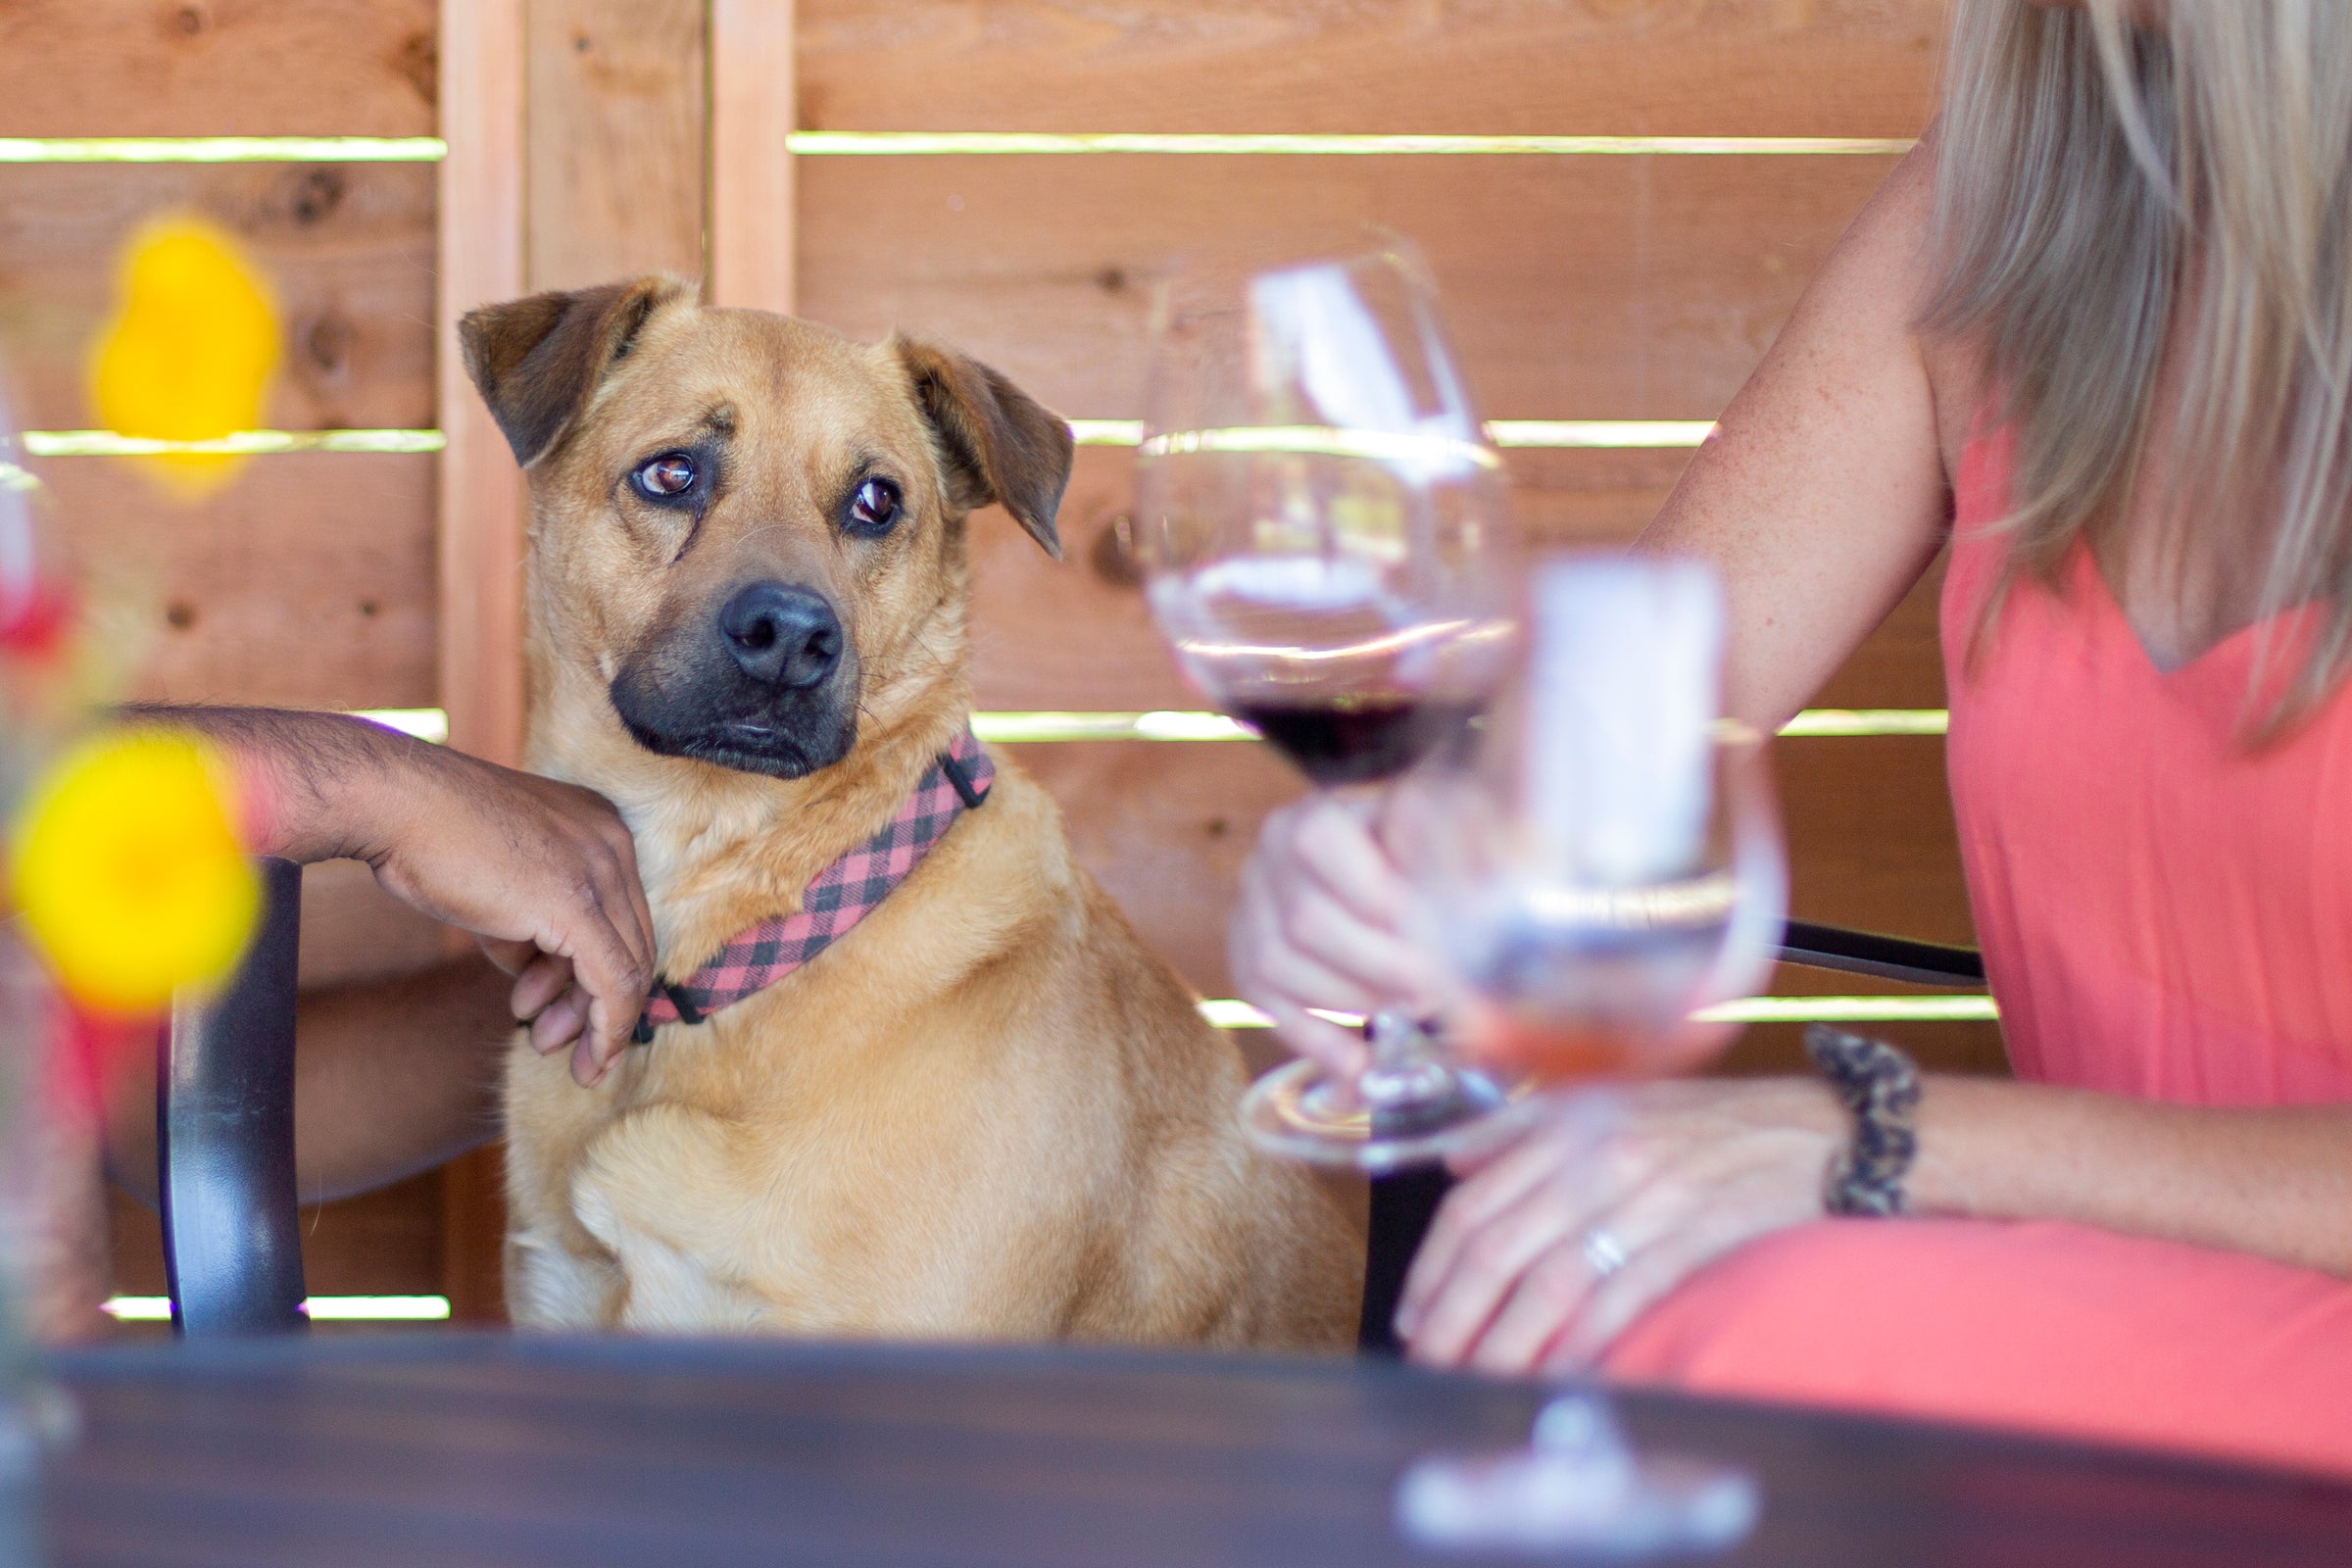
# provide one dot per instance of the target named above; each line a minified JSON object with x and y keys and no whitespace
{"x":987,"y":1111}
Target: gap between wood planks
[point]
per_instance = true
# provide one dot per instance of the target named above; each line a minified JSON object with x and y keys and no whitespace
{"x":968,"y":144}
{"x":1513,"y":434}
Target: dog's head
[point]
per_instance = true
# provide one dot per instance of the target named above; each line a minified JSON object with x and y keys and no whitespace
{"x":745,"y":524}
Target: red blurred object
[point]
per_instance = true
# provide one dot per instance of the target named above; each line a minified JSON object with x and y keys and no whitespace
{"x":39,"y":625}
{"x":88,"y":1052}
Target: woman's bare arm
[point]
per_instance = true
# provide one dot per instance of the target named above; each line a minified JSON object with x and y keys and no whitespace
{"x":1822,"y":495}
{"x":2271,"y":1180}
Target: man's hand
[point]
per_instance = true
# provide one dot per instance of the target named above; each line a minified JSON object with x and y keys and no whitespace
{"x":1554,"y":1244}
{"x":544,"y":873}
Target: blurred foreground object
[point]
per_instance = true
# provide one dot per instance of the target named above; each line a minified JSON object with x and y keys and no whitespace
{"x":53,"y":1236}
{"x":129,"y":871}
{"x":1602,"y":863}
{"x":190,"y":352}
{"x":128,"y":879}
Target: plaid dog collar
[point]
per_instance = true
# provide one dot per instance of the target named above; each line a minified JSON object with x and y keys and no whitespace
{"x":841,"y":895}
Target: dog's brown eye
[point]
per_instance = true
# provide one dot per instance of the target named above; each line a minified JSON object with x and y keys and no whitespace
{"x":875,"y":506}
{"x":670,"y":474}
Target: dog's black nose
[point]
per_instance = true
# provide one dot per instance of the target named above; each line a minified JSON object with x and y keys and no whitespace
{"x":782,"y":636}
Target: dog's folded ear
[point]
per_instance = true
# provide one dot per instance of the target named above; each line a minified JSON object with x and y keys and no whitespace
{"x":537,"y":361}
{"x":1002,"y":446}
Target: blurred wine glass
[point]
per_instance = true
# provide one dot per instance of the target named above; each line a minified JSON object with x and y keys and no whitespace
{"x":1325,"y":539}
{"x":52,"y":1202}
{"x":1602,"y":867}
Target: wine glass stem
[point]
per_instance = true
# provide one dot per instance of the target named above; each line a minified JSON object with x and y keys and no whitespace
{"x":1579,"y":1423}
{"x":1402,"y":1071}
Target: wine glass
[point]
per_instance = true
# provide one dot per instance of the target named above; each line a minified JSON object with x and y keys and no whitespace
{"x":1322,"y":526}
{"x":1605,"y":863}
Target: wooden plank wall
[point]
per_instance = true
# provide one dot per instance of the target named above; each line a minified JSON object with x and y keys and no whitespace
{"x":1700,"y":68}
{"x":611,"y":137}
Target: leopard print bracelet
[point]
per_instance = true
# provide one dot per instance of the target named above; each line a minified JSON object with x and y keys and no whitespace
{"x":1880,"y":1088}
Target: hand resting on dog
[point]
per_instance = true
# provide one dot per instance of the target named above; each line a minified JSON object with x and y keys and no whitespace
{"x":542,"y":873}
{"x":394,"y":1075}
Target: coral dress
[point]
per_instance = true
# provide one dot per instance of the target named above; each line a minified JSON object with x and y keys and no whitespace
{"x":2163,"y":914}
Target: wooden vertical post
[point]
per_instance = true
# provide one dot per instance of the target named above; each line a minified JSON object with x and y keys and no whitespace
{"x":481,"y":259}
{"x":753,"y":107}
{"x":576,"y":132}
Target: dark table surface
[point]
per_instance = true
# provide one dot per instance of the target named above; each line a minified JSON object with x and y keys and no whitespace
{"x":461,"y":1450}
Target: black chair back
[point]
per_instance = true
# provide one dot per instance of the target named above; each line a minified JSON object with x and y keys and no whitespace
{"x":1921,"y":963}
{"x":225,"y":1138}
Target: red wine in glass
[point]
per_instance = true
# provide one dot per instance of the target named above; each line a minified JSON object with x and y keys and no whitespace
{"x":1358,"y":739}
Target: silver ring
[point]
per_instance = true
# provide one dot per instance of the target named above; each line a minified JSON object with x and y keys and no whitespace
{"x":1605,"y":1255}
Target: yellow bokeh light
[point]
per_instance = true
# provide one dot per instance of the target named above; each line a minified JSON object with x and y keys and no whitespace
{"x":190,"y":351}
{"x":129,"y":871}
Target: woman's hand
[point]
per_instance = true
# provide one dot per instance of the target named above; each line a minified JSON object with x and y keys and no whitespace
{"x":1554,"y":1244}
{"x":1320,"y":923}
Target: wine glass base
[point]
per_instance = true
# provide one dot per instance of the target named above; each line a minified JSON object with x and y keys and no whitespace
{"x":1579,"y":1489}
{"x":1298,"y":1112}
{"x":1539,"y":1502}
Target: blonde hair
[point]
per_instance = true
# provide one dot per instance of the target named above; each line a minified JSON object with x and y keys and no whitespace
{"x":2113,"y":200}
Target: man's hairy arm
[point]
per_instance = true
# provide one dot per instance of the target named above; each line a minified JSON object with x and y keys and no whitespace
{"x":544,"y":873}
{"x":391,"y":1077}
{"x":395,"y":1076}
{"x":314,"y":777}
